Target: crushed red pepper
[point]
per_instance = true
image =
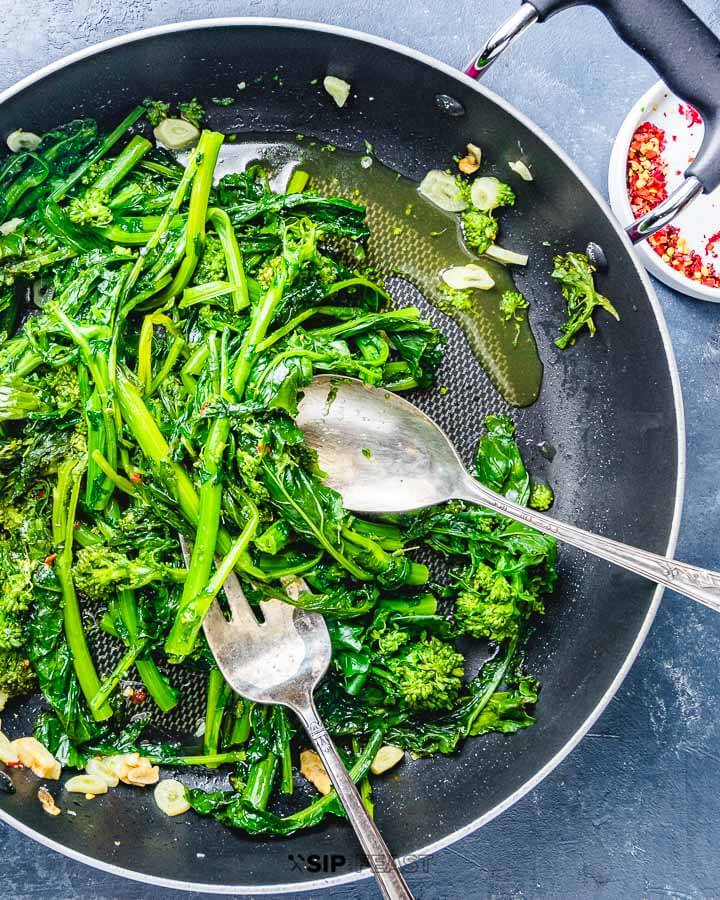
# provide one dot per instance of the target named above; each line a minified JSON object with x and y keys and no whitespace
{"x":647,"y":187}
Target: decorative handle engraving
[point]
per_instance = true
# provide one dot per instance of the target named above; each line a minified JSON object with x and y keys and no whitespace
{"x":702,"y":585}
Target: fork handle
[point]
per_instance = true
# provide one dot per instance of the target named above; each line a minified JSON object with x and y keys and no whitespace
{"x":385,"y":869}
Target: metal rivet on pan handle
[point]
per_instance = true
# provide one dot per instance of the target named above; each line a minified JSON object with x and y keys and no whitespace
{"x":499,"y":41}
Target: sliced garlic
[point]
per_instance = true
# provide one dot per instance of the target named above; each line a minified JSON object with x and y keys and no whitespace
{"x":8,"y":228}
{"x":99,"y":767}
{"x":311,"y":767}
{"x":463,"y":278}
{"x":519,"y":168}
{"x":20,"y":141}
{"x":294,"y":586}
{"x":86,"y":784}
{"x":509,"y":257}
{"x":442,"y":189}
{"x":8,"y":753}
{"x":484,"y":193}
{"x":170,"y":797}
{"x":338,"y":89}
{"x":48,"y":802}
{"x":386,"y":757}
{"x":470,"y":163}
{"x":176,"y":134}
{"x":31,"y":753}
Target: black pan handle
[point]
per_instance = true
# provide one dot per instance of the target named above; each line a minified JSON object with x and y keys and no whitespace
{"x":681,"y":49}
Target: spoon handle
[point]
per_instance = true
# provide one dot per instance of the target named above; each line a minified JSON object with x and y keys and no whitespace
{"x":702,"y":585}
{"x":389,"y":878}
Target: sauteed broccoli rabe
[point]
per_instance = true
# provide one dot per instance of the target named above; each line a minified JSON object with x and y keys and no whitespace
{"x":157,"y":327}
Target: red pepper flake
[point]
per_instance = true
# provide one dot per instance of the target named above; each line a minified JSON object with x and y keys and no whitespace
{"x":647,"y":187}
{"x":712,"y":240}
{"x":50,"y":560}
{"x":136,"y":478}
{"x":692,"y":116}
{"x":138,"y":696}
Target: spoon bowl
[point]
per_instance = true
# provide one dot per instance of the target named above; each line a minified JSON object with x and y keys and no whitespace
{"x":381,"y":453}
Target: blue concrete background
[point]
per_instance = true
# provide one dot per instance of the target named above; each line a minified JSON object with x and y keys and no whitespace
{"x":634,"y":811}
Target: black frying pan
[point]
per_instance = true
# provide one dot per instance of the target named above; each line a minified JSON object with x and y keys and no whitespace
{"x":611,"y":408}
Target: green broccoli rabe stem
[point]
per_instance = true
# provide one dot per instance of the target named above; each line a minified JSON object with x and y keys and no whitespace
{"x":120,"y":482}
{"x":389,"y":537}
{"x":113,"y":679}
{"x":208,"y":148}
{"x":298,"y":182}
{"x":219,"y":694}
{"x":96,"y":362}
{"x":182,"y":635}
{"x":158,"y":686}
{"x":260,"y":781}
{"x":259,"y":323}
{"x":285,"y":737}
{"x":190,"y":617}
{"x":107,"y":144}
{"x":240,"y":731}
{"x":174,"y":478}
{"x":296,"y":252}
{"x":211,"y":760}
{"x":123,"y":163}
{"x":233,"y":257}
{"x":65,"y":500}
{"x":381,"y":563}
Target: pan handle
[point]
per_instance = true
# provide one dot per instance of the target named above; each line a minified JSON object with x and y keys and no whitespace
{"x":681,"y":49}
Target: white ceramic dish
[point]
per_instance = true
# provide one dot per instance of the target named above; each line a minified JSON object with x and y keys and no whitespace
{"x":701,"y":219}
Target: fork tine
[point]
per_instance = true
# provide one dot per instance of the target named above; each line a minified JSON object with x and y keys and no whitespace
{"x":240,"y":609}
{"x":215,"y":624}
{"x":185,"y":549}
{"x":277,"y":613}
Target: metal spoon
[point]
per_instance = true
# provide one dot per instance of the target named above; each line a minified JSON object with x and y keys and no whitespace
{"x":383,"y":455}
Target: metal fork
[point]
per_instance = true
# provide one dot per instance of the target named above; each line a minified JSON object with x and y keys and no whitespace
{"x":281,"y":660}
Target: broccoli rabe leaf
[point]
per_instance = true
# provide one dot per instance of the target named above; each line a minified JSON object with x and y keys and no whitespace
{"x":574,"y":273}
{"x":498,"y":463}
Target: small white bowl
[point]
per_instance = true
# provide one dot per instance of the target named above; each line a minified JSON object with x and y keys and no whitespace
{"x":701,"y":219}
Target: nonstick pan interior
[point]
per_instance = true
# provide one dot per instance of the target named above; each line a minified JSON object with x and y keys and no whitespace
{"x":606,"y":431}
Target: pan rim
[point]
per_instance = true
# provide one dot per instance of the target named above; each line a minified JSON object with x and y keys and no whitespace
{"x":426,"y":59}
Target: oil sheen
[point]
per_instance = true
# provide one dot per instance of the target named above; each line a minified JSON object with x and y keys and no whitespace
{"x":410,"y":238}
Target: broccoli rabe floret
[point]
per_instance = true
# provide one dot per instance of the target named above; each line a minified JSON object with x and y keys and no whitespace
{"x":16,"y":571}
{"x":512,"y":310}
{"x":452,"y":298}
{"x":541,"y":496}
{"x":61,"y":387}
{"x":11,"y":632}
{"x":479,"y":229}
{"x":98,"y":570}
{"x":488,"y":606}
{"x":156,"y":111}
{"x":16,"y":674}
{"x":391,"y":640}
{"x":91,"y":209}
{"x":192,"y":111}
{"x":212,"y":263}
{"x":494,"y":605}
{"x":425,"y":675}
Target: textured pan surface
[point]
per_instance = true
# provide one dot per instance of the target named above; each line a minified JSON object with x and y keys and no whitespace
{"x":610,"y":411}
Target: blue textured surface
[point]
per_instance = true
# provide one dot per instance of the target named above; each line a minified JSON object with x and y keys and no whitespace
{"x":633,"y":811}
